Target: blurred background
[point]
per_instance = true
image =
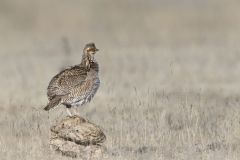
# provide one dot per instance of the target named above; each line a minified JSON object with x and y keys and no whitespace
{"x":148,"y":45}
{"x":132,"y":23}
{"x":158,"y":60}
{"x":161,"y":44}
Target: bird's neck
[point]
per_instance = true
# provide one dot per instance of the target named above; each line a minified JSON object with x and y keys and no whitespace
{"x":85,"y":62}
{"x":89,"y":65}
{"x":94,"y":66}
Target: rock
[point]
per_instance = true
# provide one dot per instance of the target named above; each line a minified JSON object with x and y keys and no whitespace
{"x":77,"y":137}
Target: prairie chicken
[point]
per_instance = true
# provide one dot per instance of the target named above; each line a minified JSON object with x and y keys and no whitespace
{"x":75,"y":86}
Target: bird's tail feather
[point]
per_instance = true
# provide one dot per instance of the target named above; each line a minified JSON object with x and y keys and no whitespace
{"x":55,"y":101}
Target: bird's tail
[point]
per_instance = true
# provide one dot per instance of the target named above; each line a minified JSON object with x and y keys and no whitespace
{"x":55,"y":101}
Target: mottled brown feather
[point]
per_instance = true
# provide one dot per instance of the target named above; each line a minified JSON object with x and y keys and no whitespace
{"x":75,"y":86}
{"x":62,"y":83}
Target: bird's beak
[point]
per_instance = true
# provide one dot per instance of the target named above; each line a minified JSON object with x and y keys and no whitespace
{"x":96,"y":49}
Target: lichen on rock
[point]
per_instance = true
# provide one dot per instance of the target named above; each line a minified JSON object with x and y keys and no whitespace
{"x":77,"y":137}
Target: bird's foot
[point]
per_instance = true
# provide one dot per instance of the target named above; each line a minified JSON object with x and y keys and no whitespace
{"x":75,"y":112}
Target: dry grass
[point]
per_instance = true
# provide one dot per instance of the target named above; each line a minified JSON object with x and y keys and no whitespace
{"x":169,"y":72}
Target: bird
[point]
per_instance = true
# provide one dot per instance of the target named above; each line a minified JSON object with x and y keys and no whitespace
{"x":75,"y":86}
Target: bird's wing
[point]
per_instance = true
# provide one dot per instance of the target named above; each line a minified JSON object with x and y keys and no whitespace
{"x":62,"y":83}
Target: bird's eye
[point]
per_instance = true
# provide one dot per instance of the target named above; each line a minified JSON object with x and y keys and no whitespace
{"x":89,"y":49}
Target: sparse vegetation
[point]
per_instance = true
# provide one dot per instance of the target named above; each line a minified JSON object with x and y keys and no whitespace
{"x":169,"y":76}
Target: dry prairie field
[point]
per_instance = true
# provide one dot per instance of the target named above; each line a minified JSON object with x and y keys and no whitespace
{"x":169,"y":75}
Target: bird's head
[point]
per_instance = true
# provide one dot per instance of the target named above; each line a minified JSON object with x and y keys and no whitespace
{"x":88,"y":53}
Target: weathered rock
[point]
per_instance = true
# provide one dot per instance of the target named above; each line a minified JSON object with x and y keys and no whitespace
{"x":77,"y":137}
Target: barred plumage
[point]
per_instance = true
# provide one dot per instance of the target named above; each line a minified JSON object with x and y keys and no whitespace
{"x":75,"y":86}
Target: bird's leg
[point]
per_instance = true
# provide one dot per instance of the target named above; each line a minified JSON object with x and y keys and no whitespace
{"x":69,"y":113}
{"x":75,"y":110}
{"x":68,"y":110}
